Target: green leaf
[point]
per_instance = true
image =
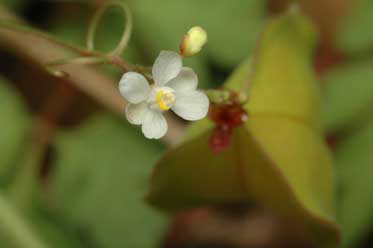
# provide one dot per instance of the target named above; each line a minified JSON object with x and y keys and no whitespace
{"x":100,"y":181}
{"x":348,"y":98}
{"x":13,"y":127}
{"x":283,"y":81}
{"x":52,"y":227}
{"x":355,"y":32}
{"x":279,"y":158}
{"x":354,"y":161}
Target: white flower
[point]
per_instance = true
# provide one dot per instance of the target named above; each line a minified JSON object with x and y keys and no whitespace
{"x":174,"y":88}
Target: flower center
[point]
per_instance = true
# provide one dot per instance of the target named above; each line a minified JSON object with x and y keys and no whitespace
{"x":165,"y":99}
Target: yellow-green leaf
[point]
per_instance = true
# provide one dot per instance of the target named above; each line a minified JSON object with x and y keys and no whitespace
{"x":283,"y":80}
{"x":278,"y":158}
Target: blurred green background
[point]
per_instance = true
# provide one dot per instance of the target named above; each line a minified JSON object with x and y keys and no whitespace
{"x":74,"y":174}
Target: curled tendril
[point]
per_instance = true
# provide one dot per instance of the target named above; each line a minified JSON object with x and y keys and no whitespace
{"x":122,"y":44}
{"x":86,"y":55}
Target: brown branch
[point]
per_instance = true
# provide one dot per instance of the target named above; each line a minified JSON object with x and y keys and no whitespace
{"x":95,"y":84}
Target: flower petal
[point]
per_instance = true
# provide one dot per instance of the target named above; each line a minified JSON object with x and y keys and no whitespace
{"x":186,"y":80}
{"x":134,"y":87}
{"x":191,"y":105}
{"x":135,"y":113}
{"x":154,"y":125}
{"x":166,"y":67}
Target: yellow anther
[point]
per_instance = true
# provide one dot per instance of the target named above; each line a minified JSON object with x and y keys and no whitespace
{"x":165,"y":99}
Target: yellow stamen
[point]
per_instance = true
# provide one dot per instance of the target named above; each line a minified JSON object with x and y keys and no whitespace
{"x":164,"y":100}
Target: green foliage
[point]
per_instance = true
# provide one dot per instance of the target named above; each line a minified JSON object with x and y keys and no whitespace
{"x":53,"y":228}
{"x":164,"y":22}
{"x":348,"y":96}
{"x":13,"y":127}
{"x":163,"y":28}
{"x":33,"y":227}
{"x":278,"y":159}
{"x":100,"y":180}
{"x":161,"y":25}
{"x":347,"y":105}
{"x":354,"y":161}
{"x":355,"y":32}
{"x":19,"y":228}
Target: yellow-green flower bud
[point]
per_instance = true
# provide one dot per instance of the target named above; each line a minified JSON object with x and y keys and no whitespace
{"x":193,"y":41}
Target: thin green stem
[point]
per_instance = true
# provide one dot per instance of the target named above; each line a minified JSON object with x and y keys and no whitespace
{"x":77,"y":60}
